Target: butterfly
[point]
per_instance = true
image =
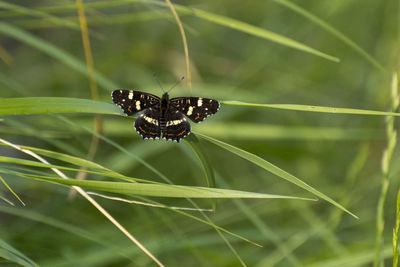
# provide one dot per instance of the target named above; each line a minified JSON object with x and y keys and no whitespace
{"x":164,"y":117}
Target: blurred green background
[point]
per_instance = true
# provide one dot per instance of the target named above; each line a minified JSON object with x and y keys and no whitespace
{"x":339,"y":155}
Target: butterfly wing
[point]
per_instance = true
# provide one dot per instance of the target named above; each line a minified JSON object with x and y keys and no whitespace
{"x":131,"y":101}
{"x":196,"y":108}
{"x":176,"y":127}
{"x":147,"y":124}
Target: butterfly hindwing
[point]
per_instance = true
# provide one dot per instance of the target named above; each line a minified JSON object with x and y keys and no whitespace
{"x":131,"y":101}
{"x":196,"y":108}
{"x":147,"y":124}
{"x":177,"y":126}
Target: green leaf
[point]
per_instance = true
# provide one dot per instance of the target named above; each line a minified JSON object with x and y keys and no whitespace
{"x":41,"y":105}
{"x":274,"y":169}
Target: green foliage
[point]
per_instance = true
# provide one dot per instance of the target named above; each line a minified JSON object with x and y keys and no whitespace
{"x":308,"y":111}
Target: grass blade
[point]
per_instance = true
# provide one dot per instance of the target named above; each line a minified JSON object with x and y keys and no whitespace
{"x":156,"y":190}
{"x":314,"y":108}
{"x":275,"y":170}
{"x":42,"y":105}
{"x":332,"y":30}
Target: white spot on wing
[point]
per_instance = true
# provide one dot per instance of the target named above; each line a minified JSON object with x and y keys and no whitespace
{"x":190,"y":111}
{"x":200,"y":102}
{"x":175,"y":122}
{"x":130,"y":96}
{"x":151,"y":120}
{"x":138,"y":105}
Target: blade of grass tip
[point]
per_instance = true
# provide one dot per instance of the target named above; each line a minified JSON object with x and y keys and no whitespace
{"x":98,"y":123}
{"x":247,"y":28}
{"x":391,"y":135}
{"x":9,"y":188}
{"x":91,"y":200}
{"x":184,"y":41}
{"x":53,"y":51}
{"x":309,"y":108}
{"x":301,"y":11}
{"x":396,"y":233}
{"x":274,"y":169}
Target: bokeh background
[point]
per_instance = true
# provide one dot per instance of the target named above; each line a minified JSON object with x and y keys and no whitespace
{"x":339,"y":155}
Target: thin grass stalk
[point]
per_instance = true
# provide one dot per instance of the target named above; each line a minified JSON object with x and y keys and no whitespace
{"x":184,"y":41}
{"x":396,"y":233}
{"x":391,"y":134}
{"x":94,"y":92}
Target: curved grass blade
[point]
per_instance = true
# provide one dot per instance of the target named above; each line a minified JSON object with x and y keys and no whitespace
{"x":42,"y":105}
{"x":314,"y":108}
{"x":208,"y":170}
{"x":250,"y":29}
{"x":275,"y":170}
{"x":332,"y":30}
{"x":55,"y":52}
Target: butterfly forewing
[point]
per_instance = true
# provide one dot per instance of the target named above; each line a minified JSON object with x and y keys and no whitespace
{"x":147,"y":124}
{"x":131,"y":101}
{"x":196,"y":108}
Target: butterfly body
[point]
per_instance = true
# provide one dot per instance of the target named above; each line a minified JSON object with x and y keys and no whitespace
{"x":164,"y":117}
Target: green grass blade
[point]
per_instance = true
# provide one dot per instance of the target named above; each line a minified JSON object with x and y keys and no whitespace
{"x":105,"y":172}
{"x":332,"y":30}
{"x":12,"y":191}
{"x":12,"y":255}
{"x":275,"y":170}
{"x":156,"y":190}
{"x":314,"y":108}
{"x":55,"y":52}
{"x":249,"y":29}
{"x":42,"y":105}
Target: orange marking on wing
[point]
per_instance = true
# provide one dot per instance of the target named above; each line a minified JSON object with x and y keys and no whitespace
{"x":129,"y":109}
{"x":198,"y":116}
{"x":140,"y":128}
{"x":153,"y":133}
{"x":184,"y":131}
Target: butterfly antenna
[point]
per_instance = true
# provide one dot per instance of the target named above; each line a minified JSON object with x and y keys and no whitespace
{"x":177,"y":82}
{"x":158,"y":82}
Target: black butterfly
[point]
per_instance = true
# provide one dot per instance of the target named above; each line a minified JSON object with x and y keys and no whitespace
{"x":164,"y":117}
